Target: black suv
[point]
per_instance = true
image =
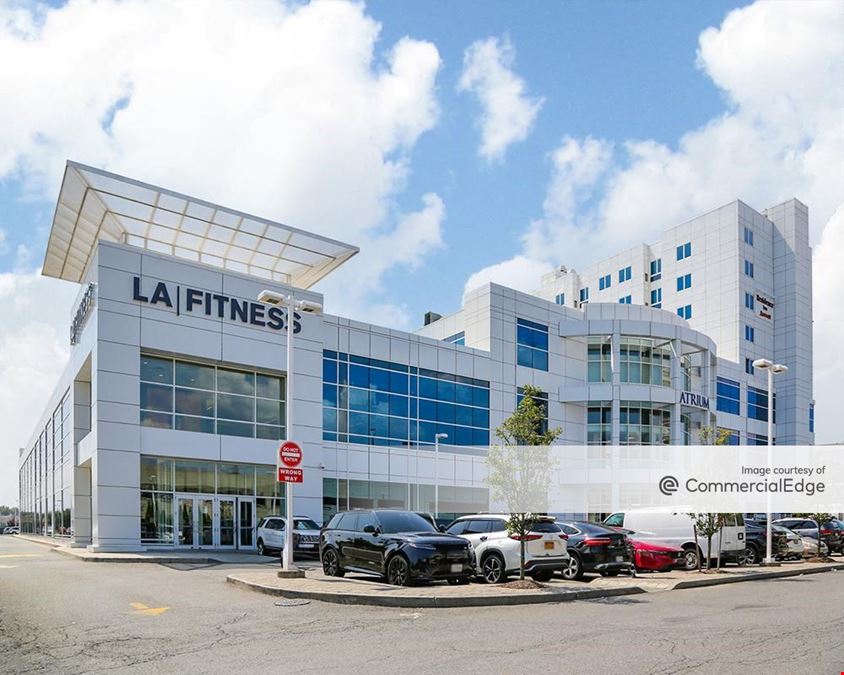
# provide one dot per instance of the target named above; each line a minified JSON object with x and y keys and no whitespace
{"x":756,"y":538}
{"x":400,"y":546}
{"x":595,"y":548}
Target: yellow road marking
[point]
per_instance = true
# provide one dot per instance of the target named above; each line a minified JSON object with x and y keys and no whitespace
{"x":21,"y":555}
{"x":141,"y":608}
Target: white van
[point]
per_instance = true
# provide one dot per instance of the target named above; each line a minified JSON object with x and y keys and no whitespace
{"x":676,"y":528}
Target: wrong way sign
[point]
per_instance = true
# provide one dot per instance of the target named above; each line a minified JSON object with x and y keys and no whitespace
{"x":288,"y":461}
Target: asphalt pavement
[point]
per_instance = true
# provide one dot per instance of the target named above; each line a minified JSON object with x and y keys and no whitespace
{"x":59,"y":615}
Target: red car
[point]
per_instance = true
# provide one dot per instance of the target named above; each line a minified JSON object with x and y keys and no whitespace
{"x":656,"y":556}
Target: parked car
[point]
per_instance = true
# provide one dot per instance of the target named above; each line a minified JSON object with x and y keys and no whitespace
{"x":652,"y":555}
{"x":675,"y":527}
{"x":401,"y":546}
{"x":595,"y":548}
{"x":12,"y":529}
{"x":756,"y":538}
{"x":810,"y":548}
{"x":270,"y":536}
{"x":499,"y":554}
{"x":794,"y":544}
{"x":832,"y":531}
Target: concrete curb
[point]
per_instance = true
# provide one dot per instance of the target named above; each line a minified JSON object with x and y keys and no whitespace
{"x":757,"y":576}
{"x":38,"y":540}
{"x":432,"y":602}
{"x":104,"y":557}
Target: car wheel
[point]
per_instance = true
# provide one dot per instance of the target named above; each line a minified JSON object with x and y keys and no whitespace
{"x":261,"y":549}
{"x":458,"y":582}
{"x":493,"y":569}
{"x":542,"y":575}
{"x":751,"y":556}
{"x":398,"y":571}
{"x":331,"y":564}
{"x":690,"y":558}
{"x":574,"y":570}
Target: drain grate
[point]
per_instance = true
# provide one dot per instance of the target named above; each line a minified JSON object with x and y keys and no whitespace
{"x":291,"y":603}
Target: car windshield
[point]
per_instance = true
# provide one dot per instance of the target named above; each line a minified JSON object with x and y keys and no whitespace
{"x":545,"y":526}
{"x":403,"y":521}
{"x":305,"y":524}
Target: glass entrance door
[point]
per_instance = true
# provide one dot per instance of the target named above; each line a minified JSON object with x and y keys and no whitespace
{"x":246,"y":522}
{"x":185,"y":521}
{"x":205,"y":522}
{"x":227,"y":527}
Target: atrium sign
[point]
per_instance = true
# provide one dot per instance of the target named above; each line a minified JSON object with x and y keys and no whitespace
{"x":217,"y":305}
{"x":695,"y":400}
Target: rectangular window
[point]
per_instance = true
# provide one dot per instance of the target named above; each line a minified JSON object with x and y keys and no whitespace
{"x":748,"y":366}
{"x":560,"y":299}
{"x":210,"y":399}
{"x":684,"y":282}
{"x":685,"y":312}
{"x":604,"y":282}
{"x":643,"y":361}
{"x":684,"y":250}
{"x":394,"y":404}
{"x":757,"y":439}
{"x":584,"y":294}
{"x":733,"y":437}
{"x":656,"y":269}
{"x":625,"y":274}
{"x":656,"y":297}
{"x":599,"y":360}
{"x":748,"y":236}
{"x":757,"y":404}
{"x":531,"y":344}
{"x":728,"y":396}
{"x":541,"y":401}
{"x":748,"y":268}
{"x":749,"y":333}
{"x":626,"y":300}
{"x":811,"y":418}
{"x":748,"y":301}
{"x":457,"y":338}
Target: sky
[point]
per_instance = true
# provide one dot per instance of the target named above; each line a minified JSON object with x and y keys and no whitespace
{"x":454,"y":143}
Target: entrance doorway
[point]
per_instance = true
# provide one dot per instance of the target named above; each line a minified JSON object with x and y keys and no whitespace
{"x":215,"y":522}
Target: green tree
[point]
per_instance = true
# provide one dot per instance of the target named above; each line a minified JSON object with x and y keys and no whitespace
{"x":520,"y":475}
{"x":707,"y":525}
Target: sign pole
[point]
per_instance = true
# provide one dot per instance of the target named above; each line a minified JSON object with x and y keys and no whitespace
{"x":287,"y":551}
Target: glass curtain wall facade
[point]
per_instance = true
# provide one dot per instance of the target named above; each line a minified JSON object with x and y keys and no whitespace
{"x":163,"y":477}
{"x":375,"y":402}
{"x":46,"y":477}
{"x":178,"y":394}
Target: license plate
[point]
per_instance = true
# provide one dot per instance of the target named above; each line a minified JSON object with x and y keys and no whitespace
{"x":549,"y":545}
{"x":619,"y":558}
{"x":456,"y":568}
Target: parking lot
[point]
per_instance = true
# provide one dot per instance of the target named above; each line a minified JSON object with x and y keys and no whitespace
{"x":62,"y":615}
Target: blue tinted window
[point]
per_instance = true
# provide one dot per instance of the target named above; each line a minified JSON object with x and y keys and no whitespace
{"x":358,"y":423}
{"x":480,"y":417}
{"x":480,"y":397}
{"x":463,"y":394}
{"x":445,"y":390}
{"x":427,"y":387}
{"x":329,"y":371}
{"x":398,"y":383}
{"x":729,"y":396}
{"x":427,"y":410}
{"x":329,"y":395}
{"x":343,"y":373}
{"x":359,"y":399}
{"x":398,"y":405}
{"x":480,"y":437}
{"x":748,"y":301}
{"x":463,"y":415}
{"x":359,"y":376}
{"x":462,"y":436}
{"x":398,"y":428}
{"x":379,"y":402}
{"x":379,"y":425}
{"x":445,"y":412}
{"x":531,"y":344}
{"x":329,"y":419}
{"x":379,"y":379}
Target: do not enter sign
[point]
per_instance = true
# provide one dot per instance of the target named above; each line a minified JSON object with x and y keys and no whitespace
{"x":287,"y":462}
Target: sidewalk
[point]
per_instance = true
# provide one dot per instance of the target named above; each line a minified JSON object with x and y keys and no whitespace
{"x":162,"y":556}
{"x":363,"y":590}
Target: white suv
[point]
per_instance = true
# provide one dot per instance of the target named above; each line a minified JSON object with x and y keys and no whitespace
{"x":271,"y":535}
{"x":498,"y":554}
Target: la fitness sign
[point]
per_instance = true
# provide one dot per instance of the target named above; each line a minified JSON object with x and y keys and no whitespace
{"x":197,"y":301}
{"x":288,"y":461}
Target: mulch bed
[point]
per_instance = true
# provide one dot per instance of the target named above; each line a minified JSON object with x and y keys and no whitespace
{"x":816,"y":559}
{"x":523,"y":585}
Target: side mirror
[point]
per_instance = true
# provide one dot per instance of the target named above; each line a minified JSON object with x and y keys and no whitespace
{"x":442,"y":528}
{"x":370,"y":529}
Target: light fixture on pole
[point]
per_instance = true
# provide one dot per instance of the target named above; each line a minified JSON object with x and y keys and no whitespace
{"x":437,"y":439}
{"x":773,"y":369}
{"x":293,"y":306}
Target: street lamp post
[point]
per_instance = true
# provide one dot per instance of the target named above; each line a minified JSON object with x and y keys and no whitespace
{"x":437,"y":438}
{"x":293,"y":306}
{"x":773,"y":369}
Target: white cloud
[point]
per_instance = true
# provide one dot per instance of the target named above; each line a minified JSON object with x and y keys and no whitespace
{"x":33,"y":353}
{"x":292,"y":112}
{"x":508,"y":113}
{"x":781,"y":68}
{"x":519,"y":272}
